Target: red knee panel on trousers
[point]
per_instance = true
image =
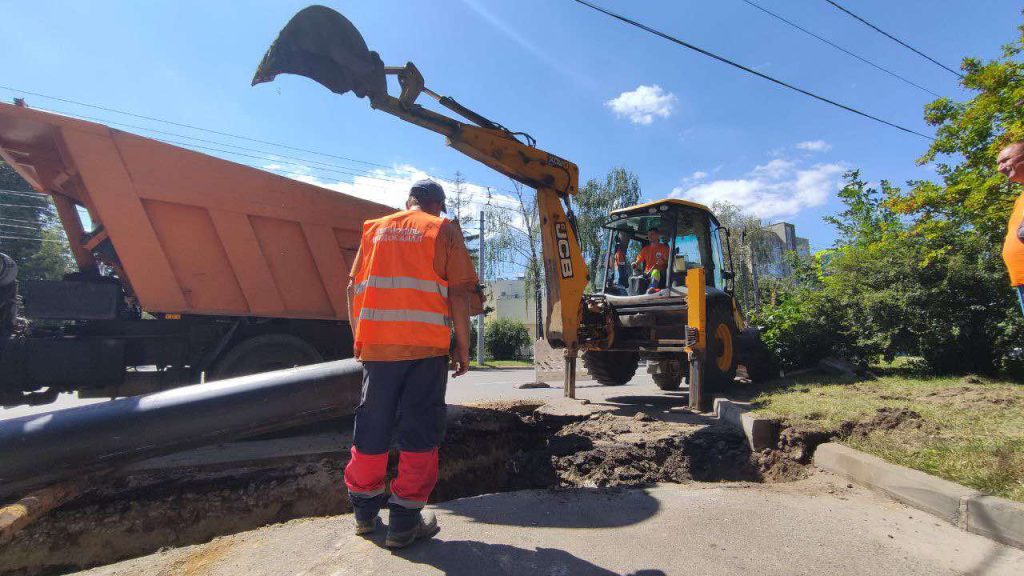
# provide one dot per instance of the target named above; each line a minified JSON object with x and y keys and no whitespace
{"x":365,"y":473}
{"x":417,"y":475}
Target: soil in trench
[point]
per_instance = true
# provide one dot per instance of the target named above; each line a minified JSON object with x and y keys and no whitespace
{"x":488,"y":448}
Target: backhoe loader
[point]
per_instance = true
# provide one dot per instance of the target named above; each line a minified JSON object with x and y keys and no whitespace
{"x":680,"y":315}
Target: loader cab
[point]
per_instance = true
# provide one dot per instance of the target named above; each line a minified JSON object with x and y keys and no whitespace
{"x":686,"y":235}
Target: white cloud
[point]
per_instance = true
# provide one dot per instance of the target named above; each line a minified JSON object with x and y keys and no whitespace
{"x":814,"y":146}
{"x":777,"y":189}
{"x":694,"y":178}
{"x":643,"y":104}
{"x":774,"y":169}
{"x":390,"y":186}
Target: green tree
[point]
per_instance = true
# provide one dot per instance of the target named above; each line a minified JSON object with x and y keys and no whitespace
{"x":514,"y":239}
{"x":504,"y":339}
{"x":748,"y":244}
{"x":971,"y":196}
{"x":595,"y":200}
{"x":29,"y":230}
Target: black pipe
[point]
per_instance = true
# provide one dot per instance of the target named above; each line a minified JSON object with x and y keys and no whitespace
{"x":41,"y":449}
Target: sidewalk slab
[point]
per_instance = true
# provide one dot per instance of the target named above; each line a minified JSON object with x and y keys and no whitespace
{"x":664,"y":530}
{"x":996,"y":518}
{"x":761,"y":433}
{"x":934,"y":495}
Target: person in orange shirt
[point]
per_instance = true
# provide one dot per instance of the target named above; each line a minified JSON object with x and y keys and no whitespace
{"x":411,"y":282}
{"x":618,"y":261}
{"x":1011,"y":164}
{"x":653,"y":258}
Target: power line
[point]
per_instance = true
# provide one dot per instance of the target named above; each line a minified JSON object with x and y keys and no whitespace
{"x":266,"y":158}
{"x":840,"y":48}
{"x":21,"y":193}
{"x":20,"y":221}
{"x":895,"y":39}
{"x":32,"y":239}
{"x":362,"y":172}
{"x":278,"y":157}
{"x":189,"y":126}
{"x":18,"y":226}
{"x":270,"y":155}
{"x":25,"y":206}
{"x":724,"y":60}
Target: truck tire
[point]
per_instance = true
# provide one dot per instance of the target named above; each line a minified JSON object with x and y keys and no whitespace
{"x":671,"y":377}
{"x":758,"y":359}
{"x":264,"y":354}
{"x":721,"y":358}
{"x":611,"y":368}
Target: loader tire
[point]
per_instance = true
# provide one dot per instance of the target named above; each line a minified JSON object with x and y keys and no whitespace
{"x":264,"y":354}
{"x":759,"y":360}
{"x":671,"y":378}
{"x":721,"y":359}
{"x":611,"y":368}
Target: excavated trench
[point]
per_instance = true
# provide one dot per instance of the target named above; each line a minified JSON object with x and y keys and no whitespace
{"x":488,"y":448}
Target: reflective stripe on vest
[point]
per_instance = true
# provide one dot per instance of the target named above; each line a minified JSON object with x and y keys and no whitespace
{"x":402,"y":282}
{"x":404,"y":316}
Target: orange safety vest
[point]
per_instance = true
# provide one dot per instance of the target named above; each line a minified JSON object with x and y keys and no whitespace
{"x":1013,"y":248}
{"x":399,"y":298}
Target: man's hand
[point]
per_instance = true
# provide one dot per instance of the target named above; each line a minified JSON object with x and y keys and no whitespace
{"x":460,"y":365}
{"x":459,"y":300}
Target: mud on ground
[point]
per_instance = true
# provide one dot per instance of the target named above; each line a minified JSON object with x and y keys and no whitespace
{"x":488,"y":448}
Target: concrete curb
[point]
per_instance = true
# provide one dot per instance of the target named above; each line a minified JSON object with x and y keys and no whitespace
{"x":761,"y":433}
{"x":995,"y":518}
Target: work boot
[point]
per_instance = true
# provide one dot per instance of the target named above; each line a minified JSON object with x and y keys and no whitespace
{"x":365,"y":510}
{"x":405,"y":528}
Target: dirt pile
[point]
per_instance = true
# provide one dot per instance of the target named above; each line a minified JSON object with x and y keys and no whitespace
{"x":606,"y":450}
{"x":797,"y":441}
{"x":885,"y":418}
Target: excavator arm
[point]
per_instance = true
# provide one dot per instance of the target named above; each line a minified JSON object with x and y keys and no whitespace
{"x":323,"y":45}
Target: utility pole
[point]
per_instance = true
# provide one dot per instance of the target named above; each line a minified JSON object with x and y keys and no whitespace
{"x":754,"y":279}
{"x":480,"y":318}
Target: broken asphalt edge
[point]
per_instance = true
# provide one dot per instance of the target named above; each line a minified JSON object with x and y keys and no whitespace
{"x":761,"y":433}
{"x":995,"y":518}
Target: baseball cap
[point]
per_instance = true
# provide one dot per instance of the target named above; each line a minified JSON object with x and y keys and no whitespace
{"x":428,"y":190}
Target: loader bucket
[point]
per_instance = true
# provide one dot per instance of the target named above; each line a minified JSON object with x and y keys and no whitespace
{"x":322,"y":45}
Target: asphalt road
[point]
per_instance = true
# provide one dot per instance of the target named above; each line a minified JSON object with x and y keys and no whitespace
{"x":815,"y":527}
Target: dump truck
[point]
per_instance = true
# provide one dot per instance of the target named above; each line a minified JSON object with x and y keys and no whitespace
{"x":686,"y":321}
{"x":189,"y":266}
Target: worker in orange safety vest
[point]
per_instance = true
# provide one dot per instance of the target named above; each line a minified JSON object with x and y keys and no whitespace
{"x":411,"y":283}
{"x":1011,"y":164}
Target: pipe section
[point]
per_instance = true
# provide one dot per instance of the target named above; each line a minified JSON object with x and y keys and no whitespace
{"x":42,"y":449}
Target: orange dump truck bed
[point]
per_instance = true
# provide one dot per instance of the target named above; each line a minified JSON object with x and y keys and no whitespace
{"x":191,"y":233}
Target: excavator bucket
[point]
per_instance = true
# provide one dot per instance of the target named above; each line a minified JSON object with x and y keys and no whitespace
{"x":322,"y":45}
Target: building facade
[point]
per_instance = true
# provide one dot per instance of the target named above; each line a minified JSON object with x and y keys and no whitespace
{"x":509,"y":299}
{"x":783,"y":239}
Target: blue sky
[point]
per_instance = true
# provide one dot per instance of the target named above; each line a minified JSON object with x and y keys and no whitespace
{"x":589,"y":88}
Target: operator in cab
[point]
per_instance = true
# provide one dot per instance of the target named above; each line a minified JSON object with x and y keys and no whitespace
{"x":653,"y":260}
{"x":618,"y":261}
{"x":411,"y":283}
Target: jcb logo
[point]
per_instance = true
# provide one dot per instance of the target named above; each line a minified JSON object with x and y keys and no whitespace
{"x":564,"y":259}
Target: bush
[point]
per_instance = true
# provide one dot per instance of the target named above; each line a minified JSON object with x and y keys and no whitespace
{"x":504,"y":339}
{"x":804,"y":328}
